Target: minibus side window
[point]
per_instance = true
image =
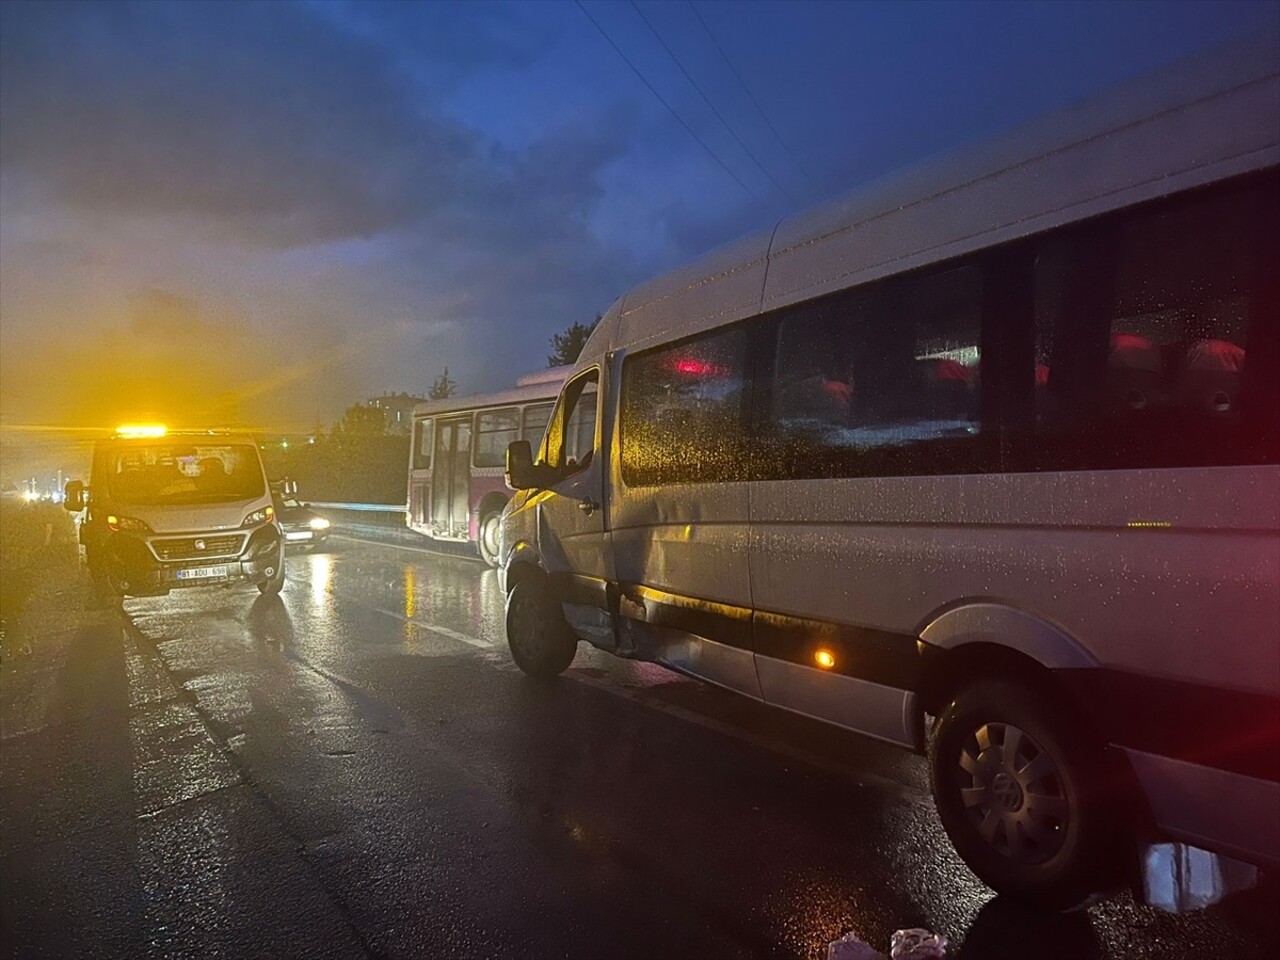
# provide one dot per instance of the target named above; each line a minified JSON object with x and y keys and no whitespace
{"x":682,"y":411}
{"x":1153,"y":333}
{"x":570,"y":440}
{"x":880,"y":382}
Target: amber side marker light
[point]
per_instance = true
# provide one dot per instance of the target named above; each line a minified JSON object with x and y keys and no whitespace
{"x":825,"y":659}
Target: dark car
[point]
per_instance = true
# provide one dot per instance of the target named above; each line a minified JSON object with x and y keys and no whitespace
{"x":303,"y":527}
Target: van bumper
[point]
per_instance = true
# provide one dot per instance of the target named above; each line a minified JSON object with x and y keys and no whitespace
{"x":137,"y":572}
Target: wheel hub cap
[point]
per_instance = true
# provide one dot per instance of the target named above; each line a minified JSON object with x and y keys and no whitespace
{"x":1006,"y":791}
{"x":1013,"y":793}
{"x":527,"y":628}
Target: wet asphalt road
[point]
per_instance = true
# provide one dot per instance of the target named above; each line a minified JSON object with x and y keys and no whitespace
{"x":356,"y":769}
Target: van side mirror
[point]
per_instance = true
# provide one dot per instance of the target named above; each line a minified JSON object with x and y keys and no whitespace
{"x":522,"y":472}
{"x":73,"y":496}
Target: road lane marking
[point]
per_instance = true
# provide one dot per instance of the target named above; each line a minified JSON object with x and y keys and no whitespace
{"x":423,"y":624}
{"x":436,"y":628}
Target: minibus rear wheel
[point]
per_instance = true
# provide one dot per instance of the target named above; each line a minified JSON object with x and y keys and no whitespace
{"x":1018,"y":784}
{"x":541,"y":642}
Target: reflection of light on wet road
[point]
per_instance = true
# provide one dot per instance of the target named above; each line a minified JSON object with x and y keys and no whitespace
{"x":410,"y":596}
{"x":410,"y":603}
{"x":321,"y":571}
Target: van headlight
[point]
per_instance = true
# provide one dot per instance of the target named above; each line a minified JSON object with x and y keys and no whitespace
{"x":265,"y":515}
{"x":127,"y":523}
{"x":319,"y":523}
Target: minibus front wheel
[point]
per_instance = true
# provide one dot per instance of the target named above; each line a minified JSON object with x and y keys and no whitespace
{"x":541,"y":642}
{"x":1019,"y":786}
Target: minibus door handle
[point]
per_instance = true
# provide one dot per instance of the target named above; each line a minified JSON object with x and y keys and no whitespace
{"x":588,"y":506}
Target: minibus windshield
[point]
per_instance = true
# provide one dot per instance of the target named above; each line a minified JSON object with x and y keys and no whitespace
{"x":172,"y":474}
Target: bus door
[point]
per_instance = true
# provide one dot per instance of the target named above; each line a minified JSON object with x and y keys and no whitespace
{"x":451,"y":477}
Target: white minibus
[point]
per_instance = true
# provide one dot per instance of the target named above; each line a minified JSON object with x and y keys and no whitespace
{"x":983,"y":460}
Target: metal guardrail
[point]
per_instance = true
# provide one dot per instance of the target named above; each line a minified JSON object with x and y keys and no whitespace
{"x":361,"y":507}
{"x":384,"y":522}
{"x":386,"y":515}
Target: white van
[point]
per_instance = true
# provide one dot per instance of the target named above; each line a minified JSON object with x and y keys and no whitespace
{"x":982,"y":460}
{"x":167,"y":510}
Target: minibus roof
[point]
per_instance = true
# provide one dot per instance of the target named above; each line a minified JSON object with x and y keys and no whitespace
{"x":1192,"y":122}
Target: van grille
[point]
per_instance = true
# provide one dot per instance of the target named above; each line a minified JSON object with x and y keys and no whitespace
{"x":211,"y":547}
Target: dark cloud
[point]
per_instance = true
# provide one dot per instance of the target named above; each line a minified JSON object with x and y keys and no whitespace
{"x":262,"y":122}
{"x":275,"y":171}
{"x":442,"y":43}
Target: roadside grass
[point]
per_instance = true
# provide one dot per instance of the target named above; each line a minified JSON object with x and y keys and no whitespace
{"x":36,"y":540}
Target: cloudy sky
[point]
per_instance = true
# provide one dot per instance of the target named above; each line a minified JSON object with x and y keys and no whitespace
{"x":258,"y":213}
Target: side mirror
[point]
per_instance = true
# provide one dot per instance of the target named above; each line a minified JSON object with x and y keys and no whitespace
{"x":522,"y":472}
{"x":73,"y":496}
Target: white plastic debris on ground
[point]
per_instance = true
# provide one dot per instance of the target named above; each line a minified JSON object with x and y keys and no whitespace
{"x":917,"y":944}
{"x":913,"y":944}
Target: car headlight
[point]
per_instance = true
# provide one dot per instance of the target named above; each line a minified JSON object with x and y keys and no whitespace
{"x":127,"y":523}
{"x":319,"y":523}
{"x":265,"y":515}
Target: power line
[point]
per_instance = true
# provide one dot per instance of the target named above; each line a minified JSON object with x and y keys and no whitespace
{"x":688,"y":129}
{"x":747,"y":90}
{"x":707,"y":101}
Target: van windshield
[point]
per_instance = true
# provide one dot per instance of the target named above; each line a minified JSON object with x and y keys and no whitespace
{"x":179,"y":473}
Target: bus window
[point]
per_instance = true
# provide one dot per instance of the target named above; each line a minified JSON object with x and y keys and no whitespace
{"x":495,"y":429}
{"x":536,"y":416}
{"x":424,"y":439}
{"x":1147,"y":325}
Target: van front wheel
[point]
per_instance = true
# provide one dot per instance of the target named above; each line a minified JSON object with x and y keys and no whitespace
{"x":275,"y":582}
{"x":541,"y":642}
{"x":1020,"y":788}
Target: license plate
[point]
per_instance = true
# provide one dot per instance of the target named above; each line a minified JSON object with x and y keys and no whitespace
{"x":299,"y":535}
{"x":201,"y":573}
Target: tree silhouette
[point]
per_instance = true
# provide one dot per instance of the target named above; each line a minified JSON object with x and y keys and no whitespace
{"x":568,"y":345}
{"x":359,"y":420}
{"x":443,"y":387}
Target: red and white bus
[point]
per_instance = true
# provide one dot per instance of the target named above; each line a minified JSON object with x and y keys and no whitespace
{"x":456,"y":486}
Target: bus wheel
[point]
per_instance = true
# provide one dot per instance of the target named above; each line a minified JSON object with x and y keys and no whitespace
{"x":540,"y":640}
{"x":488,"y":542}
{"x":1019,"y":787}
